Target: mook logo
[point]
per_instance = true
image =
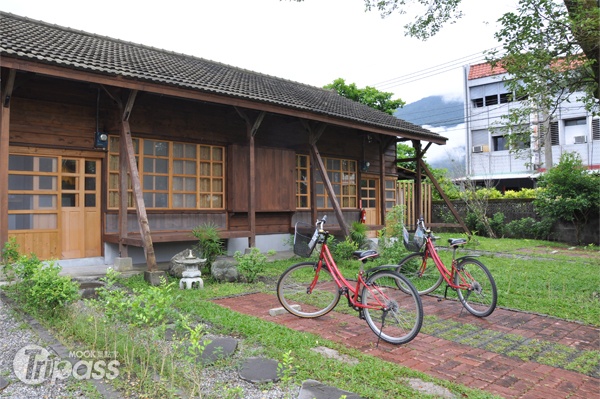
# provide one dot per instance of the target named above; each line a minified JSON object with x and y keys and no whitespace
{"x":34,"y":365}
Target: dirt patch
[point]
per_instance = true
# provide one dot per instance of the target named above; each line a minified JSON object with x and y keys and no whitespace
{"x":573,"y":251}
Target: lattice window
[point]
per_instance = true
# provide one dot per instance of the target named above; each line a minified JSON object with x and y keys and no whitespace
{"x":302,"y":181}
{"x":173,"y":175}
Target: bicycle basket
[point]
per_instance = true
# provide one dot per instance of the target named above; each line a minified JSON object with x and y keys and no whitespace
{"x":302,"y":235}
{"x":413,"y":242}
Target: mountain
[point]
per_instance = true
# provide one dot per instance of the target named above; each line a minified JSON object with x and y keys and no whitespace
{"x":447,"y":119}
{"x":433,"y":111}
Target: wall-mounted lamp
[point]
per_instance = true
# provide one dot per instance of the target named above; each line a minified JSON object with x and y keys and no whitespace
{"x":364,"y":166}
{"x":369,"y":138}
{"x":101,"y":140}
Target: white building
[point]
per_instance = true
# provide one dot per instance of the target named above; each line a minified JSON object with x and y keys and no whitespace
{"x":488,"y":157}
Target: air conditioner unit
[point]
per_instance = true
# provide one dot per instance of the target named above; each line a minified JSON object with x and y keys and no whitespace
{"x":480,"y":148}
{"x":580,"y":139}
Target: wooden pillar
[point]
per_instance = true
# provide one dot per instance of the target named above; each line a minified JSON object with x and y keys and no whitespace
{"x":444,"y":196}
{"x":123,"y":198}
{"x":252,"y":129}
{"x":332,"y":197}
{"x":136,"y":185}
{"x":4,"y":144}
{"x":418,"y":179}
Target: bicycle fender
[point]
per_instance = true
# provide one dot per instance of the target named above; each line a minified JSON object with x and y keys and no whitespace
{"x":458,"y":260}
{"x":379,"y":268}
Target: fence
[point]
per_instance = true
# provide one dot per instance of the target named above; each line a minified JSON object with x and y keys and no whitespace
{"x":406,"y":194}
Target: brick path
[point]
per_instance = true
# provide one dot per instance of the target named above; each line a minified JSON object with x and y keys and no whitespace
{"x":469,"y":365}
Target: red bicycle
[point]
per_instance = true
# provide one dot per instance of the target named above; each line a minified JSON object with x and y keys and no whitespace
{"x":472,"y":281}
{"x":387,"y":301}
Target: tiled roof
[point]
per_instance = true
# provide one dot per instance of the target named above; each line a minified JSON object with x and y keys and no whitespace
{"x":38,"y":41}
{"x":484,"y":70}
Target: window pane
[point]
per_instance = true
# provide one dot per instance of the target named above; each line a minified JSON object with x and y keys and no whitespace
{"x":178,"y":183}
{"x":217,"y":170}
{"x":217,"y":201}
{"x":162,"y":182}
{"x":69,"y":182}
{"x":178,"y":167}
{"x":90,"y":183}
{"x":90,"y":200}
{"x":69,"y":166}
{"x":68,"y":200}
{"x":217,"y":154}
{"x":162,"y":166}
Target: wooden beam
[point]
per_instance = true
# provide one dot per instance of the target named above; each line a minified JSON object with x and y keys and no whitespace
{"x":4,"y":144}
{"x":138,"y":194}
{"x":444,"y":196}
{"x":123,"y":198}
{"x":332,"y":197}
{"x":417,"y":193}
{"x":252,"y":128}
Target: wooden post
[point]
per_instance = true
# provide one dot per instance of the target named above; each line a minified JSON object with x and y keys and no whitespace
{"x":123,"y":199}
{"x":418,"y":178}
{"x":336,"y":205}
{"x":252,"y":129}
{"x":4,"y":144}
{"x":444,"y":196}
{"x":138,"y":195}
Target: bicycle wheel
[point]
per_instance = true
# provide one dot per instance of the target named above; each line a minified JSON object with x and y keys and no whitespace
{"x":480,"y":299}
{"x":295,"y":295}
{"x":401,"y":317}
{"x":424,"y":281}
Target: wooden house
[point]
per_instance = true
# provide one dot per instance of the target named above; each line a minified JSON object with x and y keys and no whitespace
{"x":109,"y":147}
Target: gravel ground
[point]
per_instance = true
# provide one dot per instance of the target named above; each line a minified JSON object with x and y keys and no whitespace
{"x":16,"y":334}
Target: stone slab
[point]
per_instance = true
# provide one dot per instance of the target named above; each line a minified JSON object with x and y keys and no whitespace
{"x":154,"y":277}
{"x":312,"y":389}
{"x":260,"y":370}
{"x":279,"y":311}
{"x":3,"y":383}
{"x":123,"y":264}
{"x":219,"y":348}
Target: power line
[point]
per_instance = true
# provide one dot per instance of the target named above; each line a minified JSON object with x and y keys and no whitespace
{"x":432,"y":71}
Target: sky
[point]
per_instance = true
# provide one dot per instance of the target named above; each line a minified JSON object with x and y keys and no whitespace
{"x":312,"y":42}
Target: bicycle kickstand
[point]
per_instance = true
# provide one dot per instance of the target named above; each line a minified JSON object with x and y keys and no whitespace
{"x":445,"y":294}
{"x":385,"y":312}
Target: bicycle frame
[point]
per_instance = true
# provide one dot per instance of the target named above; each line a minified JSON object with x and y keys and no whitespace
{"x":448,"y":275}
{"x":344,"y":285}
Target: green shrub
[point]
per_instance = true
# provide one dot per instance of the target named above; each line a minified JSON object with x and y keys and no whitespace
{"x":147,"y":306}
{"x":252,"y":264}
{"x":342,"y":250}
{"x":49,"y":292}
{"x":358,"y":233}
{"x":477,"y":226}
{"x":210,"y":245}
{"x":529,"y":228}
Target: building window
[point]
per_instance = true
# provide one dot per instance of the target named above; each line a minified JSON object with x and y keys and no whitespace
{"x":576,"y":131}
{"x":499,"y":143}
{"x":342,"y":174}
{"x":491,"y":100}
{"x":390,"y":193}
{"x":33,"y":191}
{"x":302,"y":182}
{"x":173,"y":175}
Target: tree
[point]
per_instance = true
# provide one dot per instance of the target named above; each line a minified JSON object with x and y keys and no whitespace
{"x":569,"y":192}
{"x":550,"y":49}
{"x":369,"y":96}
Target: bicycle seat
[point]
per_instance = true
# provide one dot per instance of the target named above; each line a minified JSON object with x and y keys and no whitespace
{"x":364,"y":255}
{"x":455,"y":242}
